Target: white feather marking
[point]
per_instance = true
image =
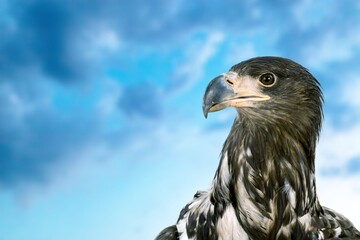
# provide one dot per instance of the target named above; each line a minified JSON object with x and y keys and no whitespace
{"x":224,"y":170}
{"x":246,"y":204}
{"x":337,"y":232}
{"x":228,"y":226}
{"x":199,"y":204}
{"x":181,"y":228}
{"x":284,"y":231}
{"x":248,"y":152}
{"x":290,"y":193}
{"x":305,"y":221}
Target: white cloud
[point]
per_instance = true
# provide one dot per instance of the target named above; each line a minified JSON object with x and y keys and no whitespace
{"x":170,"y":176}
{"x":97,"y":42}
{"x":109,"y":101}
{"x":240,"y":51}
{"x":14,"y":106}
{"x":350,"y":91}
{"x":340,"y":144}
{"x":332,"y":47}
{"x":19,"y":100}
{"x":308,"y":13}
{"x":341,"y":194}
{"x":196,"y":57}
{"x":324,"y":35}
{"x":108,"y":40}
{"x":337,"y":146}
{"x":339,"y":191}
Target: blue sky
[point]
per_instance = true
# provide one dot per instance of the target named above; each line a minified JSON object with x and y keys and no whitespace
{"x":101,"y":128}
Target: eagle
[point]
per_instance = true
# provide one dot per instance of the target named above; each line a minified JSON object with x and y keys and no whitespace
{"x":264,"y":186}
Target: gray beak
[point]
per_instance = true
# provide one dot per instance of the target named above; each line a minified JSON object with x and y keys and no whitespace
{"x":231,"y":90}
{"x":217,"y":92}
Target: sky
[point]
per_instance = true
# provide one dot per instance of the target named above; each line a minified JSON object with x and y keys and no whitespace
{"x":102,"y":134}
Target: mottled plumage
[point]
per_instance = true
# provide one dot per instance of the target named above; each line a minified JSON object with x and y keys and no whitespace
{"x":264,"y":187}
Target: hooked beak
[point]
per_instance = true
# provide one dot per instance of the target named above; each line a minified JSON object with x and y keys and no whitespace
{"x":230,"y":90}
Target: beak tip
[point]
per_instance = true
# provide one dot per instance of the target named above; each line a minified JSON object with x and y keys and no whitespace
{"x":216,"y":92}
{"x":205,"y":111}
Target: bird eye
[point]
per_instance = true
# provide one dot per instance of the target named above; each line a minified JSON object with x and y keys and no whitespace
{"x":267,"y":79}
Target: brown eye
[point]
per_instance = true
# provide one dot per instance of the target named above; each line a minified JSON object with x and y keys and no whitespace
{"x":267,"y":79}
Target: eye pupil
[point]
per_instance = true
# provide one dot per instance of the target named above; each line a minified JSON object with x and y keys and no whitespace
{"x":267,"y":79}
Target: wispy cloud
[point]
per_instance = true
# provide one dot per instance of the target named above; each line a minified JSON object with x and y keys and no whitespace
{"x":350,"y":90}
{"x":346,"y":197}
{"x":335,"y":150}
{"x":196,"y":56}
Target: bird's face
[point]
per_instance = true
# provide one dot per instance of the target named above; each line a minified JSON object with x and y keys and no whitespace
{"x":271,"y":88}
{"x":234,"y":90}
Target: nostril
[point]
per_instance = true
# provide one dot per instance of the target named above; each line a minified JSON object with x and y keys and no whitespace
{"x":231,"y":83}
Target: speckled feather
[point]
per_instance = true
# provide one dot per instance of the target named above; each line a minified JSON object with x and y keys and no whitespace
{"x":264,"y":187}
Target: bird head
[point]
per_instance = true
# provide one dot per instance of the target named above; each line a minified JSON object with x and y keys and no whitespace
{"x":268,"y":90}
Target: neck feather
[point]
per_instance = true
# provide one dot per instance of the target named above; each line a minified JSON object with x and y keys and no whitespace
{"x":267,"y":175}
